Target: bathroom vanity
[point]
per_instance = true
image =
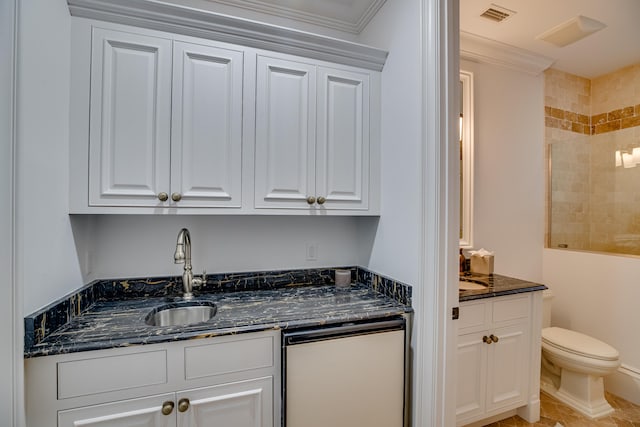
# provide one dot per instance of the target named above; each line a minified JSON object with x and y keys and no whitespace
{"x":498,"y":356}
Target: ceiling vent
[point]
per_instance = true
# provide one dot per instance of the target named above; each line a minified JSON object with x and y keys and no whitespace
{"x":497,"y":13}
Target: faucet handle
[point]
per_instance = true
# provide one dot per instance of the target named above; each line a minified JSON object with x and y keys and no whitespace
{"x":200,"y":281}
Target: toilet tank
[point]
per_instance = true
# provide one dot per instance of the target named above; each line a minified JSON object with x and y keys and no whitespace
{"x":547,"y":296}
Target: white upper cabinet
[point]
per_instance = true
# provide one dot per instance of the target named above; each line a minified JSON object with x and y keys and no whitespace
{"x":312,"y":136}
{"x":342,"y":150}
{"x":285,"y":133}
{"x":206,"y":150}
{"x":130,"y":119}
{"x":164,"y":123}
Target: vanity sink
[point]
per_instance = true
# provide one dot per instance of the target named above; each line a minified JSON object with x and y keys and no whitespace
{"x":465,"y":285}
{"x":181,"y":313}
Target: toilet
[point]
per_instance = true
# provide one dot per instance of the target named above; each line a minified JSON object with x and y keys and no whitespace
{"x":573,"y":366}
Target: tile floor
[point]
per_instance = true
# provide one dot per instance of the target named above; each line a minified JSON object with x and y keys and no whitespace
{"x":552,"y":411}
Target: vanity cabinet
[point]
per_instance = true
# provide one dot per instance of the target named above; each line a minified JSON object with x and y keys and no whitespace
{"x":498,"y":357}
{"x":165,"y":124}
{"x":312,"y":136}
{"x":209,"y":382}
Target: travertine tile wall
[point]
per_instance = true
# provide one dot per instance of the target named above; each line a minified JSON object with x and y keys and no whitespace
{"x":592,"y":204}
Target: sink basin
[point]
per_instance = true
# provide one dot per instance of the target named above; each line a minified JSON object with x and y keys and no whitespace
{"x":181,"y":313}
{"x":470,"y":286}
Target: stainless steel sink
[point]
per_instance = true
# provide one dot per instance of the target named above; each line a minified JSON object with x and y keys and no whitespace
{"x":181,"y":313}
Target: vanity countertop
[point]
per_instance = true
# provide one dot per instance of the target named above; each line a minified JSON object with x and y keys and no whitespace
{"x":497,"y":286}
{"x":121,"y":323}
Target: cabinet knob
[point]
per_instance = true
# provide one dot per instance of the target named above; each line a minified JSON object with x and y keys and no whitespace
{"x":486,"y":339}
{"x":311,"y":200}
{"x":321,"y":200}
{"x":183,"y":404}
{"x":494,"y":338}
{"x":176,"y":197}
{"x":163,"y":197}
{"x":167,"y":407}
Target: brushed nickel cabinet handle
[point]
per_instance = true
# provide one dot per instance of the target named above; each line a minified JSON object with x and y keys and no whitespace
{"x":163,"y":197}
{"x":494,"y":338}
{"x":486,"y":339}
{"x":167,"y":407}
{"x":183,"y":404}
{"x":176,"y":197}
{"x":321,"y":200}
{"x":311,"y":200}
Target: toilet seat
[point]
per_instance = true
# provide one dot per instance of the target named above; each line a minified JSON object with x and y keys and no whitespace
{"x":578,"y":344}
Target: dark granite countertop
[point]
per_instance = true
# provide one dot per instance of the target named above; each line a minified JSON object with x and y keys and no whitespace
{"x":497,"y":286}
{"x":121,"y":323}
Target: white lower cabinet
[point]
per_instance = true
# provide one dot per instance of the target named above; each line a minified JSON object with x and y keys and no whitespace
{"x":498,"y":361}
{"x":236,"y":404}
{"x":224,"y":381}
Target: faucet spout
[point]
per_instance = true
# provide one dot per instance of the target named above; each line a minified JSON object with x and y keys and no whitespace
{"x":182,"y":255}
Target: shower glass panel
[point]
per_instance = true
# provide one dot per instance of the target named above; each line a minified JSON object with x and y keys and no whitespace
{"x":594,"y":191}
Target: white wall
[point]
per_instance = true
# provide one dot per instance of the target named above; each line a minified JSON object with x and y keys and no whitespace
{"x":9,"y":315}
{"x":135,"y":246}
{"x":598,"y":295}
{"x":396,"y":249}
{"x":48,"y":266}
{"x":509,"y":168}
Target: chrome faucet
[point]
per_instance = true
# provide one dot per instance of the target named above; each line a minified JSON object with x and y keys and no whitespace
{"x":183,"y":256}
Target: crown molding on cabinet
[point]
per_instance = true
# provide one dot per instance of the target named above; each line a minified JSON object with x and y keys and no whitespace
{"x":349,"y":19}
{"x":163,"y":16}
{"x":479,"y":49}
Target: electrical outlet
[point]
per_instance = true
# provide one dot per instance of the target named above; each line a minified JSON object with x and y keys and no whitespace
{"x":312,"y":251}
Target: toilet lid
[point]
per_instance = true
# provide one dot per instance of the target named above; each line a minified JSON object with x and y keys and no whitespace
{"x":577,"y":343}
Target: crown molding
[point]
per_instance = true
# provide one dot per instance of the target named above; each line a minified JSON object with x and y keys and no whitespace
{"x":349,"y":26}
{"x":164,"y":16}
{"x":480,"y":49}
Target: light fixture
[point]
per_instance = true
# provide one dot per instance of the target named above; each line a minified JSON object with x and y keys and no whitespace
{"x":460,"y":130}
{"x":571,"y":31}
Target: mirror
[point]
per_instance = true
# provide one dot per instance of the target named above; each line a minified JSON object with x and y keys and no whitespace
{"x":466,"y":159}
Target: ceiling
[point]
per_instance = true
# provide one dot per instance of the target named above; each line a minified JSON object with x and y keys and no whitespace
{"x":610,"y":49}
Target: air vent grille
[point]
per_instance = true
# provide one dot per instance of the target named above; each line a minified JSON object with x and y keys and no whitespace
{"x":497,"y":13}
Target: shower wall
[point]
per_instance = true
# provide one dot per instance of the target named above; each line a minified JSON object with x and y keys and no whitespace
{"x":593,"y":204}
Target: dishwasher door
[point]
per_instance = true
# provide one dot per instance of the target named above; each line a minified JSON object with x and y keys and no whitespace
{"x":345,"y":376}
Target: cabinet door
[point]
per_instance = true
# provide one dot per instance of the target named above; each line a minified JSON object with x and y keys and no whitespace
{"x":342,"y":150}
{"x":144,"y":412}
{"x":508,"y":368}
{"x":241,"y":404}
{"x":471,"y":376}
{"x":206,"y":146}
{"x":285,"y":133}
{"x":129,"y":131}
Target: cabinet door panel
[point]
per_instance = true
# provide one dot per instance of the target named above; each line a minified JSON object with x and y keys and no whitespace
{"x":144,"y":412}
{"x":129,"y":119}
{"x":342,"y":153}
{"x":508,"y":367}
{"x":285,"y":133}
{"x":241,"y":404}
{"x":471,"y":376}
{"x":206,"y":165}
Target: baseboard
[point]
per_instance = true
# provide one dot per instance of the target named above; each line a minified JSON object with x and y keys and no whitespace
{"x":625,"y":382}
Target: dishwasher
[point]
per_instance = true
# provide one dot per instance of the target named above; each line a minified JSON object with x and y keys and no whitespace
{"x":347,"y":375}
